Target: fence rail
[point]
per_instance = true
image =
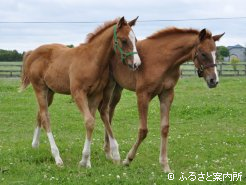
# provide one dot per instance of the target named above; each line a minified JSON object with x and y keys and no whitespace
{"x":10,"y":70}
{"x":187,"y":69}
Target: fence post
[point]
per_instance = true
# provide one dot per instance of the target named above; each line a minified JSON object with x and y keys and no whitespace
{"x":245,"y":69}
{"x":221,"y":65}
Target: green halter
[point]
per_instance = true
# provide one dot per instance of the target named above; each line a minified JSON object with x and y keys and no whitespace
{"x":123,"y":55}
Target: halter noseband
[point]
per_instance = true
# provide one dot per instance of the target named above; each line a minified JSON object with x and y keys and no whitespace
{"x":123,"y":55}
{"x":200,"y":70}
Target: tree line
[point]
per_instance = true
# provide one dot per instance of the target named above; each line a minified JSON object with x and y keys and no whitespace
{"x":14,"y":55}
{"x":10,"y":55}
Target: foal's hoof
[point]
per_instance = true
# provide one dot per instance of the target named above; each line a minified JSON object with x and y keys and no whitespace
{"x":35,"y":144}
{"x":126,"y":162}
{"x":109,"y":156}
{"x":115,"y":156}
{"x":60,"y":165}
{"x":59,"y":162}
{"x":166,"y":169}
{"x":85,"y":164}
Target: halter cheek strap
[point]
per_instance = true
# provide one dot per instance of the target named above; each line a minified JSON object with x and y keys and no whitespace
{"x":202,"y":67}
{"x":123,"y":55}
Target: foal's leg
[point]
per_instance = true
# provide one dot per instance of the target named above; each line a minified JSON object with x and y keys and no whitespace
{"x":111,"y":146}
{"x":43,"y":117}
{"x":80,"y":98}
{"x":115,"y":98}
{"x":37,"y":131}
{"x":166,"y":99}
{"x":36,"y":136}
{"x":143,"y":103}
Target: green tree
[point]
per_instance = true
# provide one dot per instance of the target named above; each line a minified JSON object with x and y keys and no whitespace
{"x":70,"y":46}
{"x":222,"y":52}
{"x":10,"y":55}
{"x":234,"y":61}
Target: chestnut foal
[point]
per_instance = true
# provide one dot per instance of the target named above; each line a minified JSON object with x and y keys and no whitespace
{"x":83,"y":72}
{"x":161,"y":55}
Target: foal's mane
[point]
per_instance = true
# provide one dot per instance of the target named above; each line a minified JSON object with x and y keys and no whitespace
{"x":172,"y":30}
{"x":100,"y":29}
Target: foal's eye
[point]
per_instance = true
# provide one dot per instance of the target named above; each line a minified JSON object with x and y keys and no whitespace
{"x":203,"y":55}
{"x":124,"y":41}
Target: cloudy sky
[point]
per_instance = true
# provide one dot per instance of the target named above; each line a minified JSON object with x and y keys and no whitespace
{"x":153,"y":15}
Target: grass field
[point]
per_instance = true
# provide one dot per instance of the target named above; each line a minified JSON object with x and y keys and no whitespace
{"x":207,"y":135}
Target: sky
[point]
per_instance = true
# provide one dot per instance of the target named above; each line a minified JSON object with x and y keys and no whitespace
{"x":153,"y":15}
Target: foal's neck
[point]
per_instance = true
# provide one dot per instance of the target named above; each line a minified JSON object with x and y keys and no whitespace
{"x":101,"y":47}
{"x":185,"y":48}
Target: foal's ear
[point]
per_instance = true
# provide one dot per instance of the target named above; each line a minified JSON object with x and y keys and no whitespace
{"x":133,"y":22}
{"x":121,"y":22}
{"x":202,"y":34}
{"x":217,"y":37}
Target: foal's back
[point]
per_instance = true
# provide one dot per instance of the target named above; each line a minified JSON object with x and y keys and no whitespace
{"x":52,"y":65}
{"x":49,"y":65}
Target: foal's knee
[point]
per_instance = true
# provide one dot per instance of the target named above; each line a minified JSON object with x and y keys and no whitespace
{"x":90,"y":123}
{"x":164,"y":130}
{"x":143,"y":133}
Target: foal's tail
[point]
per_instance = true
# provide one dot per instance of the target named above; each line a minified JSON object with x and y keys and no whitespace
{"x":25,"y":81}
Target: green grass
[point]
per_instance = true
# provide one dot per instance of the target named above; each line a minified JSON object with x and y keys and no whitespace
{"x":207,"y":134}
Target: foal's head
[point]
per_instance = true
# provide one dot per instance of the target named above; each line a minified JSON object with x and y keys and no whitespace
{"x":205,"y":57}
{"x":125,"y":43}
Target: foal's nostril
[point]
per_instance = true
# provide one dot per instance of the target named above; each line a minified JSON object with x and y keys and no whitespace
{"x":212,"y":81}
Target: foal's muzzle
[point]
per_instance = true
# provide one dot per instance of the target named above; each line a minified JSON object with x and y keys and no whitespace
{"x":133,"y":66}
{"x":212,"y":82}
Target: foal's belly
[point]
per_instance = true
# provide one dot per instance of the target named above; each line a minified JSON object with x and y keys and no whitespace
{"x":57,"y":81}
{"x":60,"y":87}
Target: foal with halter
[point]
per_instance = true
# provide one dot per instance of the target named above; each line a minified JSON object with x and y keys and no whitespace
{"x":161,"y":55}
{"x":83,"y":72}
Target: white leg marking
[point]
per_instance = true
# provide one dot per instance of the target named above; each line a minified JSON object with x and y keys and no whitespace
{"x":54,"y":149}
{"x":215,"y":68}
{"x":114,"y":147}
{"x":86,"y":162}
{"x":163,"y":156}
{"x":107,"y":149}
{"x":36,"y":135}
{"x":136,"y":58}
